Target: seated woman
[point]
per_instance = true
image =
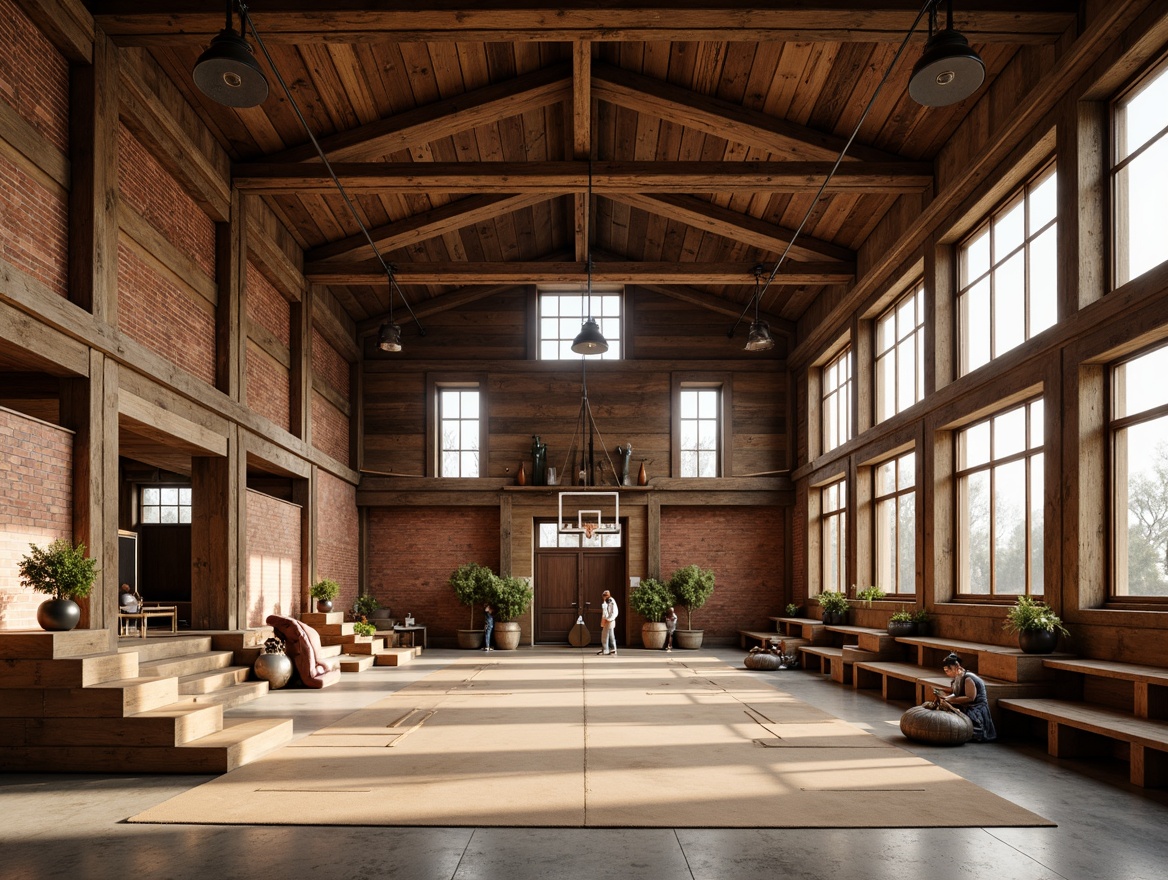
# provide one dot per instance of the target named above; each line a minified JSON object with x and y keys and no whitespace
{"x":968,"y":693}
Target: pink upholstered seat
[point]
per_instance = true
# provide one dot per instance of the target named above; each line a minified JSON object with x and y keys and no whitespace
{"x":303,"y":648}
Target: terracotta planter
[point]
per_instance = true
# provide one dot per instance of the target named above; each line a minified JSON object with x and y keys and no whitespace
{"x":470,"y":639}
{"x":653,"y":636}
{"x":506,"y":637}
{"x":690,"y":639}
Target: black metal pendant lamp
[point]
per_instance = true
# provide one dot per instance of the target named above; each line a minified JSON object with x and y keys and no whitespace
{"x":589,"y":340}
{"x":759,"y":338}
{"x":228,"y":72}
{"x":949,"y":70}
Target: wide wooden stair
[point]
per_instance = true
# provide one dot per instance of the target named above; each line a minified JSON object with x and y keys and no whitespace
{"x":357,"y":653}
{"x":69,"y":704}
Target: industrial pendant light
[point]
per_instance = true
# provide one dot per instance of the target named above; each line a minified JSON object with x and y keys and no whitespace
{"x":389,"y":336}
{"x":759,"y":338}
{"x":589,"y":340}
{"x":948,"y":70}
{"x":228,"y":72}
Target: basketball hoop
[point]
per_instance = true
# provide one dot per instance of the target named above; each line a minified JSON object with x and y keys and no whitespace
{"x":593,"y":520}
{"x":589,"y":528}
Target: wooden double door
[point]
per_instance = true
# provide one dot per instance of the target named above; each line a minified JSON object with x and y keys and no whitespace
{"x":568,"y":584}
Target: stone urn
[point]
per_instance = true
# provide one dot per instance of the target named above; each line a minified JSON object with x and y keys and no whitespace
{"x":653,"y":636}
{"x":689,"y":639}
{"x":273,"y":665}
{"x":506,"y":636}
{"x":470,"y":639}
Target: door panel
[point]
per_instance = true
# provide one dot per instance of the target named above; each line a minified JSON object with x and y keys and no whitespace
{"x":603,"y":571}
{"x":568,"y":584}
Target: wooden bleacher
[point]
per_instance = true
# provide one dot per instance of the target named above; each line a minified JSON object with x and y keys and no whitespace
{"x":1103,"y":708}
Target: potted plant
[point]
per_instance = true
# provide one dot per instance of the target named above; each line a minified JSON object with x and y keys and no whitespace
{"x":324,"y":591}
{"x":651,"y":599}
{"x":473,"y":584}
{"x":364,"y":628}
{"x":902,"y":623}
{"x":363,"y":607}
{"x":1036,"y":624}
{"x":794,"y":610}
{"x":511,"y":598}
{"x":869,"y":594}
{"x":691,"y":587}
{"x":834,"y":606}
{"x":921,"y":621}
{"x":63,"y":572}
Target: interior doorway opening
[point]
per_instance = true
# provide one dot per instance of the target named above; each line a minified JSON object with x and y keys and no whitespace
{"x":571,"y":573}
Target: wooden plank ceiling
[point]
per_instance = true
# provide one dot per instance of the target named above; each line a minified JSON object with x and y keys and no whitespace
{"x":495,"y":143}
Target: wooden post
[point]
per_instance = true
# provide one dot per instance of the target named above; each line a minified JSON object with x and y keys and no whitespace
{"x":300,"y":375}
{"x":218,"y":499}
{"x":231,"y":311}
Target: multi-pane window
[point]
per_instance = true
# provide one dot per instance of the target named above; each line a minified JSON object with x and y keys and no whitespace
{"x":1139,"y":172}
{"x":561,"y":315}
{"x":894,"y":498}
{"x":165,"y":505}
{"x":1139,"y":456}
{"x":833,"y":500}
{"x":550,"y":536}
{"x":701,"y":430}
{"x":460,"y":432}
{"x":999,"y":504}
{"x":1007,"y":272}
{"x":837,"y":401}
{"x":900,"y":355}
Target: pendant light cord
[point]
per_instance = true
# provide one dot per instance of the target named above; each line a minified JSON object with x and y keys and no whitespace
{"x":386,"y":266}
{"x":756,"y":300}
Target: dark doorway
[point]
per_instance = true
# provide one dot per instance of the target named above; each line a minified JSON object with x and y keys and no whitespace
{"x":568,"y":584}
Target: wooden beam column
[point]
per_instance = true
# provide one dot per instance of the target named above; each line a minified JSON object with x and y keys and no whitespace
{"x":506,"y":531}
{"x":300,"y":375}
{"x":231,"y":312}
{"x":304,"y":494}
{"x":653,"y":537}
{"x":93,"y":190}
{"x":218,"y":545}
{"x":89,"y":407}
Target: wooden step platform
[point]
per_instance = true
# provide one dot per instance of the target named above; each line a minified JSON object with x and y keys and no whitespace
{"x":356,"y":662}
{"x":396,"y":656}
{"x":825,"y":659}
{"x":989,"y":661}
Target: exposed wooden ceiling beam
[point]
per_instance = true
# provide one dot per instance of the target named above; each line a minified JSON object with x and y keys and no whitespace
{"x":431,"y":122}
{"x":722,"y":118}
{"x":581,"y":137}
{"x":442,"y":303}
{"x":731,"y":224}
{"x":429,"y":224}
{"x":719,"y":306}
{"x":566,"y":177}
{"x":622,"y":272}
{"x":182,"y":22}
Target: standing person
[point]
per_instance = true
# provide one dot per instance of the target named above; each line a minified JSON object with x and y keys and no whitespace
{"x":608,"y":616}
{"x":670,"y":627}
{"x":969,"y":695}
{"x":488,"y":626}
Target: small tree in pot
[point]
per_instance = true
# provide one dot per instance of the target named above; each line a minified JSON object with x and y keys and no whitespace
{"x":691,"y":587}
{"x":651,"y":599}
{"x":1036,"y":624}
{"x":324,"y":591}
{"x":834,"y":606}
{"x":511,"y":598}
{"x":473,"y":584}
{"x":63,"y":572}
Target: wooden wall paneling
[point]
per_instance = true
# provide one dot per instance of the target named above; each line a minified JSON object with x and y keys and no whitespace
{"x":335,"y":326}
{"x":217,"y":491}
{"x":93,"y":193}
{"x":863,"y":375}
{"x":276,"y":254}
{"x":1083,"y":193}
{"x":67,"y":24}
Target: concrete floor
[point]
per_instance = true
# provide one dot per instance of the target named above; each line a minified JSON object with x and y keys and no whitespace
{"x":72,"y":826}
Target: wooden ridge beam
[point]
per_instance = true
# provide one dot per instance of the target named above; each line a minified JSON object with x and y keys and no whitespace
{"x":429,"y":224}
{"x":184,"y":22}
{"x":723,"y":119}
{"x":431,"y":122}
{"x":617,"y":272}
{"x":572,"y":177}
{"x":731,"y":224}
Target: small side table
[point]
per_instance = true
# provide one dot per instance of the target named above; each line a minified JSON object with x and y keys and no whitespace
{"x":412,"y":630}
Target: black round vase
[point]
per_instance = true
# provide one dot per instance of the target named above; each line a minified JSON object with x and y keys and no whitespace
{"x":901,"y":628}
{"x":1038,"y":641}
{"x":58,"y":615}
{"x":324,"y":606}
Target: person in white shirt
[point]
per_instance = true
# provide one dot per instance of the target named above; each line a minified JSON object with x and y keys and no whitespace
{"x":608,"y":616}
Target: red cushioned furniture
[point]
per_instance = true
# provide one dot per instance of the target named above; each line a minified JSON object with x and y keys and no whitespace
{"x":302,"y":645}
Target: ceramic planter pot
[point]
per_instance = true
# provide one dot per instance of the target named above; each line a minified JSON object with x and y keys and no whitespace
{"x":653,"y":636}
{"x":835,"y":618}
{"x":58,"y":615}
{"x":690,"y":639}
{"x":901,"y":628}
{"x":275,"y":669}
{"x":324,"y":606}
{"x":1038,"y":641}
{"x":470,"y":639}
{"x":507,"y":635}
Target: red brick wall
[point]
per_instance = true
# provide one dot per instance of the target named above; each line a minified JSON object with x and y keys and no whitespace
{"x":149,"y":190}
{"x":166,"y":320}
{"x":412,"y":554}
{"x":744,"y":547}
{"x":267,"y":307}
{"x":36,"y":505}
{"x":330,"y":429}
{"x":337,"y":536}
{"x":273,"y":558}
{"x":328,"y":365}
{"x":34,"y":76}
{"x":267,"y":387}
{"x":34,"y":224}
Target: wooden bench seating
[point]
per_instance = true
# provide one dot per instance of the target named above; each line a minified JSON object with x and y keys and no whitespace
{"x":989,"y":661}
{"x":747,"y":638}
{"x":1082,"y":730}
{"x":825,"y":659}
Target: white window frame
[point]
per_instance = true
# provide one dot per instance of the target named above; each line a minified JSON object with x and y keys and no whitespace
{"x":833,"y":523}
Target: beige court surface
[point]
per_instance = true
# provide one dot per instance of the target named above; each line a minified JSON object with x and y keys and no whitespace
{"x":562,"y":738}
